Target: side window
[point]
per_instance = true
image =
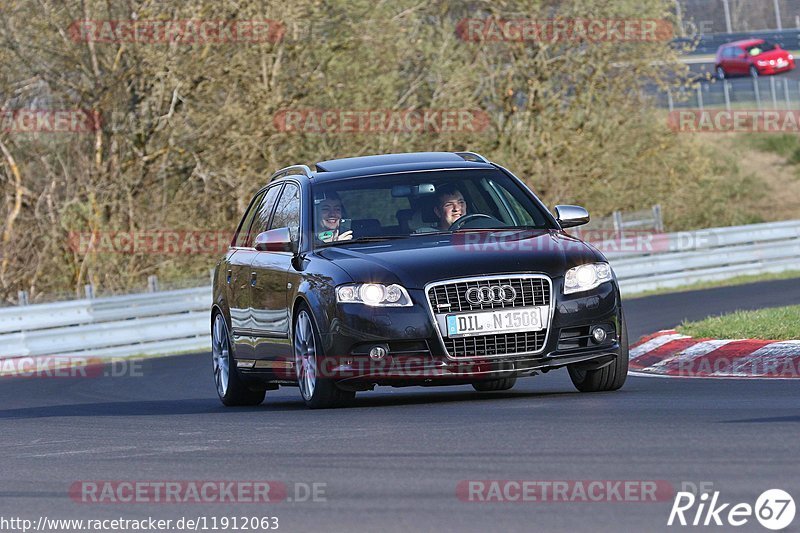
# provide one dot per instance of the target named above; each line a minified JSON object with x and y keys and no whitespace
{"x":261,"y":222}
{"x":247,"y":219}
{"x":287,"y":213}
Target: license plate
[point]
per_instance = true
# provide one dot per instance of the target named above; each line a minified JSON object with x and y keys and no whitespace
{"x":500,"y":321}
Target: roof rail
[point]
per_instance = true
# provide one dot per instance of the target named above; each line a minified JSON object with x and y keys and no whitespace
{"x":292,"y":170}
{"x":472,"y":156}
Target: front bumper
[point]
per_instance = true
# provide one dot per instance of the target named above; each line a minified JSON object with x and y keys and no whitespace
{"x":416,"y":354}
{"x":774,"y":69}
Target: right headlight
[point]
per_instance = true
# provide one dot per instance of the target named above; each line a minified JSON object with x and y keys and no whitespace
{"x":373,"y":294}
{"x":586,"y":277}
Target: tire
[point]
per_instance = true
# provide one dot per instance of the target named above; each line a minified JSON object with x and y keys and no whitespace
{"x":317,"y":392}
{"x":721,"y":73}
{"x":753,"y":71}
{"x":232,"y":391}
{"x":608,"y":378}
{"x":494,"y":385}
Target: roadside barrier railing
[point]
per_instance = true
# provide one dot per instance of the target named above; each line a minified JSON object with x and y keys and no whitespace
{"x":178,"y":321}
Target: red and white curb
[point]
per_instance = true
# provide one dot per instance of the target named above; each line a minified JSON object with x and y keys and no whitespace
{"x":670,"y":354}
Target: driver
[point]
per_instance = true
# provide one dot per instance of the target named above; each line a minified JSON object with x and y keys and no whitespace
{"x":329,"y":218}
{"x":450,"y":206}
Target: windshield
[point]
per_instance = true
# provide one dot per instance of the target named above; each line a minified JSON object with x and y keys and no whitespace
{"x":760,"y":48}
{"x":407,"y":205}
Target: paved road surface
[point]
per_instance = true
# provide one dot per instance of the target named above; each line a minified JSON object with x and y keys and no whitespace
{"x":393,"y":461}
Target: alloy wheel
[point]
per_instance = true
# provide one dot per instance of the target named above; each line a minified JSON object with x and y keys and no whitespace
{"x":305,"y":355}
{"x":220,"y":354}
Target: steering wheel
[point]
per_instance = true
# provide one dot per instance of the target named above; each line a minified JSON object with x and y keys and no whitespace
{"x":459,"y":223}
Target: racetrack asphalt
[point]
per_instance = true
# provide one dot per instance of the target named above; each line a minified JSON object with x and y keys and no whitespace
{"x":394,"y":460}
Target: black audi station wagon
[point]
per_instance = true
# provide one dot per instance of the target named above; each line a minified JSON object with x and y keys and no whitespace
{"x":409,"y":269}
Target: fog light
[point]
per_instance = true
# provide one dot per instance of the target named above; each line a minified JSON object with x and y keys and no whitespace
{"x":377,"y":352}
{"x":599,"y":335}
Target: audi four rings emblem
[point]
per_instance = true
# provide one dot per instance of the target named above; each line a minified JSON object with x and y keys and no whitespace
{"x":495,"y":294}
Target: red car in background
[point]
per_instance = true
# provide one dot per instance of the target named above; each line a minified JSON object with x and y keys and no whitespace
{"x":753,"y":57}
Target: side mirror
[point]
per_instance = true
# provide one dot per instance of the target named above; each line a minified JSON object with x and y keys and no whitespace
{"x":570,"y":216}
{"x":274,"y":240}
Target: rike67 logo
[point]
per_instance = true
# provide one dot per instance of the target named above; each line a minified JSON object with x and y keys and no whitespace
{"x":774,"y":509}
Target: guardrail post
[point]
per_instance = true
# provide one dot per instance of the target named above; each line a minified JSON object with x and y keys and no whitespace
{"x":670,"y":103}
{"x":22,"y":297}
{"x":152,"y":283}
{"x":700,"y":97}
{"x":617,"y":216}
{"x":88,"y":290}
{"x":211,"y":275}
{"x":757,"y":93}
{"x":786,"y":93}
{"x":774,"y":92}
{"x":726,"y":91}
{"x":658,"y":223}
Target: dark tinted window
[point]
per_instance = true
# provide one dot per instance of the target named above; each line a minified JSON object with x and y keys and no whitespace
{"x":287,"y":213}
{"x":416,"y":203}
{"x":247,"y":219}
{"x":757,"y":49}
{"x":261,"y":221}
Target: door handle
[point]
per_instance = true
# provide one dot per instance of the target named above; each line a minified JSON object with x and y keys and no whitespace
{"x":253,"y":276}
{"x":228,"y":278}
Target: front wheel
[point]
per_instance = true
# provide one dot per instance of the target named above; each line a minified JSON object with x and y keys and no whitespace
{"x":610,"y":377}
{"x":318,"y":392}
{"x":231,"y":389}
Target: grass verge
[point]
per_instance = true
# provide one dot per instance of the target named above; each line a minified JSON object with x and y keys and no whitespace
{"x":778,"y":323}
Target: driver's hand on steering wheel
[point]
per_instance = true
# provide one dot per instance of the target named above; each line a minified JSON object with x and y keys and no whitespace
{"x":330,"y":236}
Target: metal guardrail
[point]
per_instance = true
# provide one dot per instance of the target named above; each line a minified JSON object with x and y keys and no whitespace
{"x":117,"y":326}
{"x":178,"y":321}
{"x":683,"y":258}
{"x":709,"y":43}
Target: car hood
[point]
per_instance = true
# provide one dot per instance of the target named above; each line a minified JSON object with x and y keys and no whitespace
{"x":418,"y":260}
{"x":772,"y":54}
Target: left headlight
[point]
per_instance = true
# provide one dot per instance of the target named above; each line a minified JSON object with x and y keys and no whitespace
{"x":373,"y":294}
{"x":586,"y":277}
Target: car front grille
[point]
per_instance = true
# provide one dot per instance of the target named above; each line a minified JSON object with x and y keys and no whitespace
{"x":450,"y":297}
{"x":490,"y":345}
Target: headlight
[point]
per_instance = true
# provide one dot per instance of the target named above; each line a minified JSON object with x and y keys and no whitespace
{"x":586,"y":277}
{"x":373,"y":294}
